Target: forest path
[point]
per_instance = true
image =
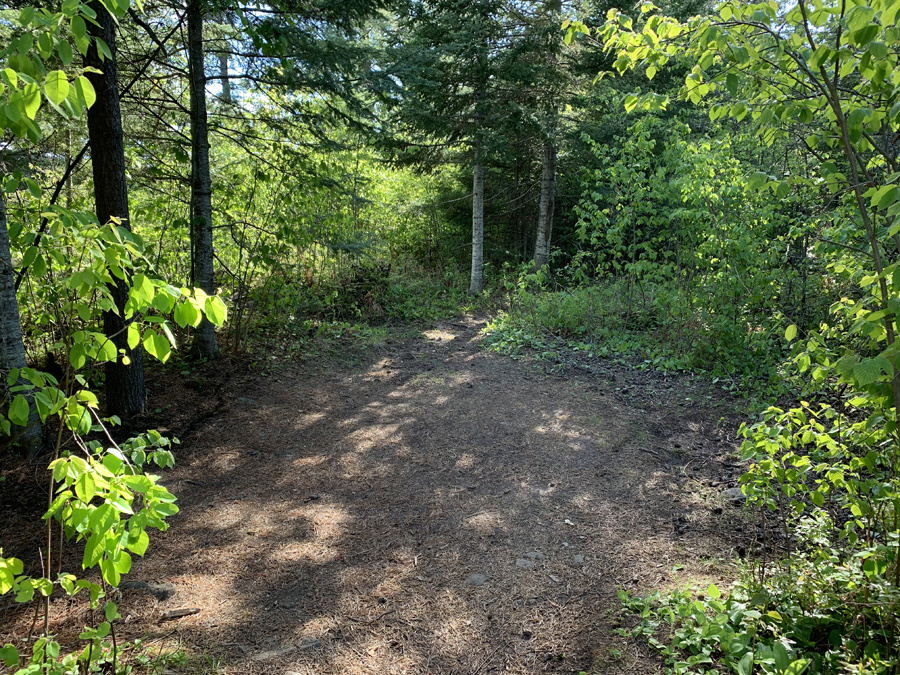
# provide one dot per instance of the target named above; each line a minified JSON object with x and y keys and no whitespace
{"x":437,"y":508}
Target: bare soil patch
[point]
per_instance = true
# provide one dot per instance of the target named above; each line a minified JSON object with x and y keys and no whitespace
{"x":434,"y":508}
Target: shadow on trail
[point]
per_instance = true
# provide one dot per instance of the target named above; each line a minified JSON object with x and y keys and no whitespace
{"x":435,"y":509}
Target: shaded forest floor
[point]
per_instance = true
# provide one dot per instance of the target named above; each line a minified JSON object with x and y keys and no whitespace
{"x":426,"y":506}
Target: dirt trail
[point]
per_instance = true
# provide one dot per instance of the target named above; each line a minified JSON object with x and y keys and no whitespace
{"x":437,"y":508}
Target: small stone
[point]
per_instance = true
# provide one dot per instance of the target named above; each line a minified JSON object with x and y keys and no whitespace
{"x":179,"y":613}
{"x":274,"y":653}
{"x":476,"y":579}
{"x":578,"y":559}
{"x":311,"y":643}
{"x":161,"y":592}
{"x":736,"y":495}
{"x":535,"y":555}
{"x":531,"y":602}
{"x":718,"y":510}
{"x":525,"y":564}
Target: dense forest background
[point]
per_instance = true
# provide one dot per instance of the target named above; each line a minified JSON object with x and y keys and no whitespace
{"x":696,"y":188}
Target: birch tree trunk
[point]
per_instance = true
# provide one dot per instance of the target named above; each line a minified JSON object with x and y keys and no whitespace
{"x":204,"y":343}
{"x":12,"y":350}
{"x":545,"y":210}
{"x":476,"y":284}
{"x":223,"y":75}
{"x":126,"y":393}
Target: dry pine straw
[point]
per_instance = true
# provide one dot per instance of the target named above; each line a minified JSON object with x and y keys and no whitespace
{"x":335,"y":520}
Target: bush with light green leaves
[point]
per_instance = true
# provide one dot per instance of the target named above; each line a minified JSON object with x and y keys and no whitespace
{"x":823,"y":73}
{"x":104,"y":493}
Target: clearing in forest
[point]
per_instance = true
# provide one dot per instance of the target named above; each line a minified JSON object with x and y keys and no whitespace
{"x":437,"y":508}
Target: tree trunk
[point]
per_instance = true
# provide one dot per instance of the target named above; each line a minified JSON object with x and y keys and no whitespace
{"x":12,"y":350}
{"x":545,"y":210}
{"x":126,"y":393}
{"x":477,"y":283}
{"x":204,"y":344}
{"x":223,"y":74}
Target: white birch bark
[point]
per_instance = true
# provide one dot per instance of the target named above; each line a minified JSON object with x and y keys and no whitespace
{"x":12,"y":350}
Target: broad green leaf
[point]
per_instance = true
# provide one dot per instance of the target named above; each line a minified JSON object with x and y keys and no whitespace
{"x":165,"y":509}
{"x":885,"y":196}
{"x":93,"y":550}
{"x":797,"y":667}
{"x":216,"y":311}
{"x":162,"y":348}
{"x":757,"y":180}
{"x":859,"y":17}
{"x":34,"y":189}
{"x":134,"y":336}
{"x":103,"y":518}
{"x":142,"y":289}
{"x":79,"y":29}
{"x":18,"y":411}
{"x":782,"y":660}
{"x":714,"y":592}
{"x":85,"y":91}
{"x":731,"y":84}
{"x":110,"y":573}
{"x":103,"y":49}
{"x":85,"y":487}
{"x":56,"y":86}
{"x":138,"y":541}
{"x":64,"y":49}
{"x":790,"y":332}
{"x":31,"y":100}
{"x":8,"y":652}
{"x":745,"y":665}
{"x":10,"y":77}
{"x":866,"y":372}
{"x":122,"y":562}
{"x":39,"y":266}
{"x":186,"y":315}
{"x":138,"y":482}
{"x":9,"y":569}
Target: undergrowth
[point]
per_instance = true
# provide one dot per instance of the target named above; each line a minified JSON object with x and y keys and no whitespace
{"x":655,"y":332}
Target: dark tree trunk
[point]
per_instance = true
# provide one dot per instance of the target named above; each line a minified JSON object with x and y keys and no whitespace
{"x":204,"y":344}
{"x":545,"y":210}
{"x":126,"y":393}
{"x":12,"y":350}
